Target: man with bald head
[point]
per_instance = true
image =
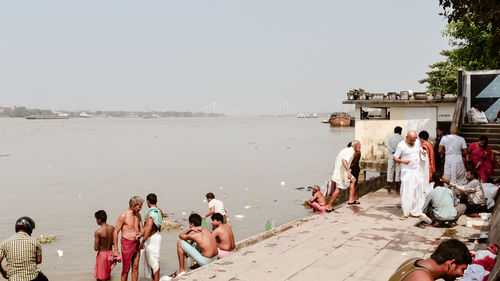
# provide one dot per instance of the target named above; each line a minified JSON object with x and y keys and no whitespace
{"x":342,"y":174}
{"x":408,"y":154}
{"x":454,"y":147}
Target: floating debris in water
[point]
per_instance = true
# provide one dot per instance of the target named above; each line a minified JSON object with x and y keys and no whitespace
{"x":183,"y":213}
{"x":282,"y":183}
{"x":60,"y":253}
{"x":221,"y":188}
{"x":224,"y":196}
{"x":79,"y":195}
{"x":239,"y":216}
{"x":246,"y":188}
{"x":248,"y":206}
{"x":205,"y":200}
{"x":4,"y":155}
{"x":302,"y":188}
{"x":49,"y":166}
{"x":46,"y":239}
{"x":169,"y":224}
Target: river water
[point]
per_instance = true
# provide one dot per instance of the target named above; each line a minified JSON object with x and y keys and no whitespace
{"x":59,"y":172}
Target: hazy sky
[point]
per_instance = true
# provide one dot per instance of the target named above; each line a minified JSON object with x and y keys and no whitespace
{"x":247,"y":55}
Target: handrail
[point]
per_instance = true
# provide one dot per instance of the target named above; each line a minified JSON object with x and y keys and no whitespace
{"x":458,"y":115}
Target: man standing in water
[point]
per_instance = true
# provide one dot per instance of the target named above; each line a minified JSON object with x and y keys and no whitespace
{"x":342,"y":174}
{"x":129,"y":223}
{"x":214,"y":206}
{"x":151,"y":242}
{"x":103,"y":244}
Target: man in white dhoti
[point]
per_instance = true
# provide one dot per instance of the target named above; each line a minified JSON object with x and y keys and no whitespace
{"x":393,"y":168}
{"x":151,"y":241}
{"x":454,"y":147}
{"x":342,"y":174}
{"x":408,"y":154}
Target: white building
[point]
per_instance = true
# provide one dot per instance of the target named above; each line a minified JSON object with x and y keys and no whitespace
{"x":376,"y":120}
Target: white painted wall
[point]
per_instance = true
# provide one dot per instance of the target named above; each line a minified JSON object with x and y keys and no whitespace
{"x":373,"y":134}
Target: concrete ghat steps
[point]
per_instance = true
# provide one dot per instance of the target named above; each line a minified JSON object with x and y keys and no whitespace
{"x":364,"y":242}
{"x":472,"y":132}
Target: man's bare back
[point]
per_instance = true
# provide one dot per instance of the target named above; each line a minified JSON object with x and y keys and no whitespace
{"x":224,"y":236}
{"x":149,"y":222}
{"x":205,"y":241}
{"x":104,"y":238}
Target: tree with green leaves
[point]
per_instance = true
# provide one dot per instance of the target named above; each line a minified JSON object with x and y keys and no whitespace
{"x":473,"y":32}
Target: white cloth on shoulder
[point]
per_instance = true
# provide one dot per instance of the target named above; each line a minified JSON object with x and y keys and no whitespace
{"x":412,"y":178}
{"x":339,"y":175}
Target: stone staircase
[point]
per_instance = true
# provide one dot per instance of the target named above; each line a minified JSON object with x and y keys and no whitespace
{"x":472,"y":132}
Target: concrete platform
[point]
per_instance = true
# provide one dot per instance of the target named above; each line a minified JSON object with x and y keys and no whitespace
{"x":366,"y":242}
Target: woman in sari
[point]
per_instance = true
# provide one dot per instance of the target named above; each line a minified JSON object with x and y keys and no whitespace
{"x":483,"y":158}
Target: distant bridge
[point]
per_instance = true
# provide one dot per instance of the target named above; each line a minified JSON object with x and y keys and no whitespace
{"x":286,"y":108}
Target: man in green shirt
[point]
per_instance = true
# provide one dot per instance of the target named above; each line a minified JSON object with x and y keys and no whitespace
{"x":23,"y":254}
{"x":439,"y":207}
{"x":448,"y":261}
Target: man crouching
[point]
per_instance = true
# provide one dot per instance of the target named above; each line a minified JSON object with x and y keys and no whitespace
{"x":203,"y":238}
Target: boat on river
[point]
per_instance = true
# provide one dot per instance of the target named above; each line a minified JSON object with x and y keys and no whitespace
{"x":341,"y":119}
{"x":46,"y":117}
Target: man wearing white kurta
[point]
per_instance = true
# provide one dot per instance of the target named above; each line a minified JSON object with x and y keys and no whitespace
{"x":393,"y":168}
{"x":454,"y":147}
{"x":342,"y":174}
{"x":408,"y":154}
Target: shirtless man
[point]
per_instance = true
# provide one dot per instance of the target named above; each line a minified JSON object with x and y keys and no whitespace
{"x":129,"y":223}
{"x":223,"y":235}
{"x":203,"y":238}
{"x":103,"y":244}
{"x":318,"y":201}
{"x":151,"y":241}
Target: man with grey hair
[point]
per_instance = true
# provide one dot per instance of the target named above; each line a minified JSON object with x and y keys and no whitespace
{"x":129,"y":223}
{"x":342,"y":174}
{"x":408,"y":154}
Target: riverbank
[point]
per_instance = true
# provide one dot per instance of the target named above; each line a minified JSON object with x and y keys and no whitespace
{"x":365,"y":242}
